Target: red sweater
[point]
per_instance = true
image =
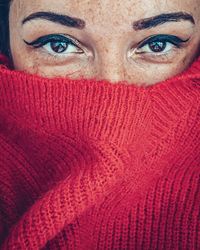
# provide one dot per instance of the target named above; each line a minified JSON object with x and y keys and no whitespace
{"x":93,"y":165}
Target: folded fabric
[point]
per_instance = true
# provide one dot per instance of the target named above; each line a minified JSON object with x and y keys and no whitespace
{"x":88,"y":164}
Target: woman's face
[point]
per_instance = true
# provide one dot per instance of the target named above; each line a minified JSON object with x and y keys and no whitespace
{"x":138,"y":41}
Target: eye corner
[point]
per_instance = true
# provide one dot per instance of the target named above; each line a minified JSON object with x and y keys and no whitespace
{"x":34,"y":44}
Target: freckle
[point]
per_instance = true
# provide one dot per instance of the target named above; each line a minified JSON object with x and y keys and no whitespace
{"x":106,"y":50}
{"x":184,"y":60}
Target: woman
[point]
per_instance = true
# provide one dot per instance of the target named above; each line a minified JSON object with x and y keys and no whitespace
{"x":100,"y":125}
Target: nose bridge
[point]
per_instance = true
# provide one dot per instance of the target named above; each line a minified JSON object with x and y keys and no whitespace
{"x":110,"y":61}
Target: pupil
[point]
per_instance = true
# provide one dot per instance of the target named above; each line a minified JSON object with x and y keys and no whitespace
{"x":58,"y":47}
{"x":157,"y":46}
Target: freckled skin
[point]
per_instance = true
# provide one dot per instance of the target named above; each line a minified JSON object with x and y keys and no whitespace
{"x":108,"y":38}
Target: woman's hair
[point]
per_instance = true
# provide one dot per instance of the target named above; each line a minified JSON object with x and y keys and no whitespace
{"x":4,"y":26}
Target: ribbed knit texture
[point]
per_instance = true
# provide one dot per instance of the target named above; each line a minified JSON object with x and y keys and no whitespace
{"x":88,"y":164}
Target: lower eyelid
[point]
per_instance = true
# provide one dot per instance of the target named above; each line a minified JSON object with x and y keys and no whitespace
{"x":46,"y":55}
{"x":157,"y":57}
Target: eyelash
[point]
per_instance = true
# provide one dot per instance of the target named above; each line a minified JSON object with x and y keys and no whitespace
{"x":64,"y":39}
{"x":41,"y":41}
{"x":162,"y":38}
{"x":169,"y":42}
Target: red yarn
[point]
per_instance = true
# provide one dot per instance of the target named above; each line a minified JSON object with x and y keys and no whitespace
{"x":88,"y":164}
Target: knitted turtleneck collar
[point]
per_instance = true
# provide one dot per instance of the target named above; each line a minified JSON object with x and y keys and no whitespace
{"x":100,"y":136}
{"x":120,"y":113}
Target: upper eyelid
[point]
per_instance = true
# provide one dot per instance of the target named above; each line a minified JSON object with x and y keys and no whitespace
{"x":163,"y":37}
{"x":75,"y":42}
{"x":49,"y":38}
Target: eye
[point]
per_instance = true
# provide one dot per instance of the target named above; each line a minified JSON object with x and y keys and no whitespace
{"x":159,"y":44}
{"x":57,"y":45}
{"x":61,"y":48}
{"x":157,"y":47}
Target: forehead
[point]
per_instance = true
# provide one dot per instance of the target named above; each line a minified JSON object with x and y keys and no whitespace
{"x":103,"y":7}
{"x":103,"y":12}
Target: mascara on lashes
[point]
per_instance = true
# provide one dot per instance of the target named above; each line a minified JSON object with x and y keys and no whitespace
{"x":41,"y":41}
{"x":164,"y":38}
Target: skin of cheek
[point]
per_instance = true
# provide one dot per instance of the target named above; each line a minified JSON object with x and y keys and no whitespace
{"x":182,"y":64}
{"x":106,"y":69}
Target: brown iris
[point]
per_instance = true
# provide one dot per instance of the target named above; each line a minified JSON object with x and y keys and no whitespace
{"x":157,"y":46}
{"x":59,"y":47}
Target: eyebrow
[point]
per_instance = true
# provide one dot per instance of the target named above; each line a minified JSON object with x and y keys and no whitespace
{"x":56,"y":18}
{"x":151,"y":22}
